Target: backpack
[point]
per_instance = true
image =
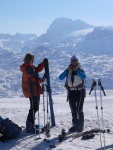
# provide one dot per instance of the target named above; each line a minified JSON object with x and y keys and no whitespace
{"x":8,"y":129}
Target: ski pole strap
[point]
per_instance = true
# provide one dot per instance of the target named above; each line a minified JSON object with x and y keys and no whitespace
{"x":101,"y":87}
{"x":92,"y":87}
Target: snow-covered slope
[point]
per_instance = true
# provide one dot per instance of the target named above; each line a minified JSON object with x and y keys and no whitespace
{"x":81,"y":32}
{"x":98,"y":42}
{"x":94,"y":66}
{"x":17,"y":108}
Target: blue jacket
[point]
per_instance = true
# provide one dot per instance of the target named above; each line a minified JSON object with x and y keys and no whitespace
{"x":80,"y":73}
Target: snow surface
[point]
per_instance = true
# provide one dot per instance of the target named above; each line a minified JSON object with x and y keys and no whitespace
{"x":17,"y":108}
{"x":81,"y":32}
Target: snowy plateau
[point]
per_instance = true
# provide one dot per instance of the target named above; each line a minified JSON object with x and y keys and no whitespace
{"x":94,"y":48}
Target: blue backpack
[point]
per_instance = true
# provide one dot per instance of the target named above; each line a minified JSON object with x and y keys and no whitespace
{"x":8,"y":129}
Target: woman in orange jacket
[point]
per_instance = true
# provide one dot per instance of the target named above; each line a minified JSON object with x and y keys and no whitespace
{"x":31,"y":88}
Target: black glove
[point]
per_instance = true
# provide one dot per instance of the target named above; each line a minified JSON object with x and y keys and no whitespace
{"x":45,"y":61}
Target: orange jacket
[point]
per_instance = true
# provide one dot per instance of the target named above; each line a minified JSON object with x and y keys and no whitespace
{"x":30,"y":80}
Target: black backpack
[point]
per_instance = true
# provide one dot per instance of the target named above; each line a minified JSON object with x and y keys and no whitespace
{"x":8,"y":129}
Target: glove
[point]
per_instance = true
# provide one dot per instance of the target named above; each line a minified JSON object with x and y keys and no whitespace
{"x":45,"y":61}
{"x":69,"y":67}
{"x":79,"y":66}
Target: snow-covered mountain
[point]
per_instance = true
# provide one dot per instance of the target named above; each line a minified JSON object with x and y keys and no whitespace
{"x":93,"y":47}
{"x":61,"y":28}
{"x":94,"y":66}
{"x":97,"y":42}
{"x":17,"y":42}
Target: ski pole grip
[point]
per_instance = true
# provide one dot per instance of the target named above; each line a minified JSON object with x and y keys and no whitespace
{"x":90,"y":92}
{"x":93,"y":85}
{"x":104,"y":92}
{"x":101,"y":87}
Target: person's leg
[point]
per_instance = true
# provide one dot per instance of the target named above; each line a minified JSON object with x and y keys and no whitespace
{"x":36,"y":103}
{"x":30,"y":119}
{"x":80,"y":103}
{"x":72,"y":103}
{"x":34,"y":106}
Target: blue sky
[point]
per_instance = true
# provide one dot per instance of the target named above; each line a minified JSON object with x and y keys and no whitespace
{"x":35,"y":16}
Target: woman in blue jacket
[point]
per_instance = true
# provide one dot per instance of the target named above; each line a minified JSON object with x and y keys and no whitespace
{"x":75,"y":76}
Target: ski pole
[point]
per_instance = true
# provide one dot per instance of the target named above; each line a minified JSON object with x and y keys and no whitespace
{"x":45,"y":125}
{"x":43,"y":104}
{"x":39,"y":122}
{"x":47,"y":102}
{"x":93,"y":87}
{"x":48,"y":119}
{"x":101,"y":88}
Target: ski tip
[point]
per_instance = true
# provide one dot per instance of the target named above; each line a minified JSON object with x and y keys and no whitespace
{"x":52,"y":146}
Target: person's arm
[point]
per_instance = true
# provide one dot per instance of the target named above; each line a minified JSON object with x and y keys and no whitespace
{"x":40,"y":67}
{"x":63,"y":75}
{"x":81,"y":74}
{"x":34,"y":75}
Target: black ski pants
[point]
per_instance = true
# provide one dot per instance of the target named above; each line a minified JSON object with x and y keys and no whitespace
{"x":34,"y":106}
{"x":76,"y":101}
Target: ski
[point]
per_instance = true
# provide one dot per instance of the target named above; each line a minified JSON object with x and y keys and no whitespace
{"x":47,"y":75}
{"x":85,"y":135}
{"x":61,"y":138}
{"x":89,"y":132}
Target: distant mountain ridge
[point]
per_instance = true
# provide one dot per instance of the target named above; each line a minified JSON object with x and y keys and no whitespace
{"x":61,"y":27}
{"x":93,"y":46}
{"x":64,"y":34}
